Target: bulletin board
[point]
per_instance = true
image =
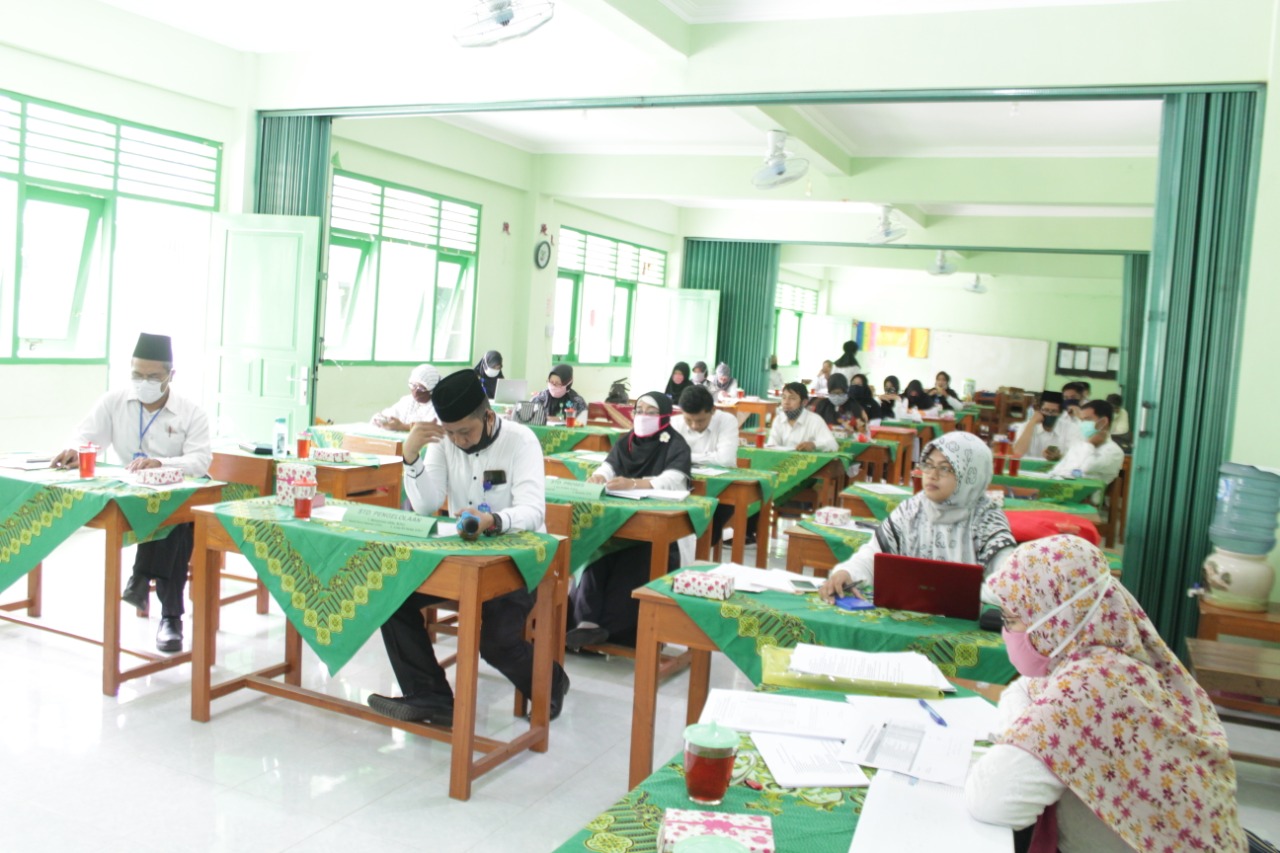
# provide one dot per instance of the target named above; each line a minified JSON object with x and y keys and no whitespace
{"x":1093,"y":362}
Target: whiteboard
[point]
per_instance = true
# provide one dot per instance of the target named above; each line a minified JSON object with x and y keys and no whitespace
{"x":990,"y":360}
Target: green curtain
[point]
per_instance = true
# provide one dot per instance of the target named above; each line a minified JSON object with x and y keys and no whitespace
{"x":293,"y":165}
{"x":1208,"y":172}
{"x":1137,"y":272}
{"x":746,"y":274}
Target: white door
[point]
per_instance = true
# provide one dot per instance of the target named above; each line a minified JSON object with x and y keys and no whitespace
{"x":671,"y":325}
{"x":262,"y":323}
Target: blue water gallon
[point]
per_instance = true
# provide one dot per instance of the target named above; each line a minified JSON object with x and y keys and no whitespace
{"x":1244,"y":520}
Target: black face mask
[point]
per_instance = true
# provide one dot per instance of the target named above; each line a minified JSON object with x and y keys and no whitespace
{"x":1050,"y":420}
{"x":1068,"y":402}
{"x":485,"y":440}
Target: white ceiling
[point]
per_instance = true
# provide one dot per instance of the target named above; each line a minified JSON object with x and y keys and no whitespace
{"x":736,"y":11}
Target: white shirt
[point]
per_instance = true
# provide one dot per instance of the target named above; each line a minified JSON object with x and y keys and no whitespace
{"x":446,"y":471}
{"x":724,"y":395}
{"x":715,"y":445}
{"x":775,"y":380}
{"x":409,"y":411}
{"x":179,"y":435}
{"x":820,"y":384}
{"x":1097,"y":462}
{"x":1010,"y":787}
{"x":807,"y":427}
{"x":671,"y":479}
{"x":1064,"y":435}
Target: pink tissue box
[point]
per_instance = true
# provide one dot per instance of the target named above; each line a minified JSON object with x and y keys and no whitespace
{"x":755,"y":832}
{"x":703,"y":585}
{"x":834,"y":516}
{"x":330,"y":454}
{"x":162,"y":476}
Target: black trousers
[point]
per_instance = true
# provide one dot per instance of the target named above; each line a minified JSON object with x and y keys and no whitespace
{"x":165,"y":561}
{"x":603,"y":595}
{"x":502,"y":644}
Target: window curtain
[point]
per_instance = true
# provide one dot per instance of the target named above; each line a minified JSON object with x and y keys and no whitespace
{"x":746,"y":275}
{"x":293,"y":165}
{"x":1208,"y":171}
{"x":1137,"y":268}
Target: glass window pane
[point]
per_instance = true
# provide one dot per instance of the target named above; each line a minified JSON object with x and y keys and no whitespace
{"x":453,"y":312}
{"x":596,"y":315}
{"x":8,"y":256}
{"x":52,"y":253}
{"x":621,"y":322}
{"x":348,"y":309}
{"x":406,"y":285}
{"x":788,"y":337}
{"x":562,"y":329}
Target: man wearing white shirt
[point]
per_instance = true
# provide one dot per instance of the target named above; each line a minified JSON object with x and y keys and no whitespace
{"x":796,"y":427}
{"x":1047,"y":434}
{"x":712,"y":435}
{"x":1096,"y":456}
{"x":491,"y":468}
{"x":148,"y":425}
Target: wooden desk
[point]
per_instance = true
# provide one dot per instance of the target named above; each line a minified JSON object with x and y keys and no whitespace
{"x":741,"y":494}
{"x":856,"y":505}
{"x":1216,"y":620}
{"x":379,"y":486}
{"x":877,"y":458}
{"x":906,"y":439}
{"x":362,"y":438}
{"x":806,"y":548}
{"x":744,"y":409}
{"x":470,"y":581}
{"x":112,"y":520}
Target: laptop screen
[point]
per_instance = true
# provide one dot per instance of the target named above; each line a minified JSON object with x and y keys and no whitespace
{"x":511,"y":391}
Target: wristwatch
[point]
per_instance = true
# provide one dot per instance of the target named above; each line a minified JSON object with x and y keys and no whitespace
{"x":496,"y":529}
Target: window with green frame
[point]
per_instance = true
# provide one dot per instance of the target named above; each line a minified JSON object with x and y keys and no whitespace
{"x":791,"y":303}
{"x":595,"y":296}
{"x":63,"y":173}
{"x":402,"y":268}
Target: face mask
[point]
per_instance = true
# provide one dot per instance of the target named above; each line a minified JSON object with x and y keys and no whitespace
{"x":792,"y":414}
{"x":148,"y":391}
{"x":492,"y":372}
{"x":699,"y":377}
{"x":646,"y":425}
{"x":486,"y":439}
{"x":1068,"y":402}
{"x":557,"y":391}
{"x":1050,"y":420}
{"x":838,"y":399}
{"x":1023,"y":654}
{"x":1088,"y":429}
{"x":1024,"y":657}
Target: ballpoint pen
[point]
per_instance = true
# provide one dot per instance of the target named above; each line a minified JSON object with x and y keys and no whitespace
{"x":937,"y":718}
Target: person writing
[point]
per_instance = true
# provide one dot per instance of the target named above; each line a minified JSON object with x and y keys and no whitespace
{"x":491,"y":468}
{"x":489,"y":371}
{"x":1046,"y":434}
{"x":700,"y":373}
{"x":1096,"y":455}
{"x":652,"y":455}
{"x":838,"y":409}
{"x":951,"y":519}
{"x":712,"y":435}
{"x":414,"y":406}
{"x":149,"y":425}
{"x":943,"y":394}
{"x":679,"y":381}
{"x":723,"y":384}
{"x":559,"y":393}
{"x":1106,"y":743}
{"x":799,"y":428}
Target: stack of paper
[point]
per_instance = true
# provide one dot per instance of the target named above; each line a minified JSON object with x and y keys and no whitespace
{"x":26,"y":461}
{"x":658,"y":494}
{"x":890,"y":819}
{"x":909,"y":668}
{"x":803,"y":762}
{"x":776,"y":714}
{"x":592,"y":455}
{"x":973,"y":715}
{"x":748,"y":579}
{"x":708,"y":470}
{"x":924,"y":750}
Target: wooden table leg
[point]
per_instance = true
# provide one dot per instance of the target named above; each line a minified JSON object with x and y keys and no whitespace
{"x":204,"y":629}
{"x":464,"y":701}
{"x":292,"y":655}
{"x":544,"y":634}
{"x":646,"y":695}
{"x":795,"y":560}
{"x":263,"y":599}
{"x":658,"y":562}
{"x":762,"y":533}
{"x":739,"y":519}
{"x":35,"y":584}
{"x":699,"y":684}
{"x":111,"y":610}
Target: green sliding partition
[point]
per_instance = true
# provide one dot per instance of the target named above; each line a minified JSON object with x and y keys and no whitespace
{"x":293,"y":165}
{"x":746,"y":275}
{"x":1137,"y":275}
{"x":1208,"y":169}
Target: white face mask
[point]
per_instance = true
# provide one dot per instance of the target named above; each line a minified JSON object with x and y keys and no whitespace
{"x":646,"y":425}
{"x":1102,"y":581}
{"x":492,"y":372}
{"x":148,"y":391}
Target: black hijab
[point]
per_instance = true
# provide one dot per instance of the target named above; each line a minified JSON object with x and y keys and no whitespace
{"x":553,"y":405}
{"x":887,"y":406}
{"x":916,"y":397}
{"x":637,"y":457}
{"x":861,"y":395}
{"x":675,"y":388}
{"x":489,"y":385}
{"x":850,"y":357}
{"x":827,"y":409}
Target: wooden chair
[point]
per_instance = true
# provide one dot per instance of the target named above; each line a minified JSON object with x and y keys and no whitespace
{"x":1117,"y":506}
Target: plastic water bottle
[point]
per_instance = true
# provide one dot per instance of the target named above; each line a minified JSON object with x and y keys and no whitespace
{"x":280,"y":441}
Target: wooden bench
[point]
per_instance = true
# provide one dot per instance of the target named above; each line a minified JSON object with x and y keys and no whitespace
{"x":1245,"y":670}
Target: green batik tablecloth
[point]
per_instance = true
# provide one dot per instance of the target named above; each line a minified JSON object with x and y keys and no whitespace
{"x":880,"y":504}
{"x":581,"y":469}
{"x":579,"y":466}
{"x":40,"y":509}
{"x":842,"y":541}
{"x":794,"y":467}
{"x":556,"y":439}
{"x":331,"y":435}
{"x":595,"y":521}
{"x":747,"y":622}
{"x":338,"y":584}
{"x":883,"y":504}
{"x":1054,"y":491}
{"x":854,"y":447}
{"x":1040,"y":466}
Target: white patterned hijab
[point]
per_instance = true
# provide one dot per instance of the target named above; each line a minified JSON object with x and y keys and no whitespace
{"x":967,"y":527}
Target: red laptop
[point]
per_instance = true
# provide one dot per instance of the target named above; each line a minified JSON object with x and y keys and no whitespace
{"x":928,"y":586}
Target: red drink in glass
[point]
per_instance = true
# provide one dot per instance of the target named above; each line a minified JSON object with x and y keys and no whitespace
{"x":88,"y":461}
{"x":741,"y":393}
{"x":760,"y":437}
{"x":1015,"y":462}
{"x":997,"y":463}
{"x":302,"y":508}
{"x":917,"y":481}
{"x":304,"y":446}
{"x":706,"y":777}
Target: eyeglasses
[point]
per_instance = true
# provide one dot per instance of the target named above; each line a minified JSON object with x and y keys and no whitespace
{"x":940,"y":470}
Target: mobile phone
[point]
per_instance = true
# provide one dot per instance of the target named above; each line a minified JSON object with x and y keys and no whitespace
{"x":853,"y":602}
{"x":805,"y":584}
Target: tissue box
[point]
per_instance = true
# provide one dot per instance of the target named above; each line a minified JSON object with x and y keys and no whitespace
{"x":703,"y":585}
{"x":288,"y":476}
{"x":834,"y":516}
{"x":162,"y":476}
{"x":755,"y":832}
{"x":330,"y":454}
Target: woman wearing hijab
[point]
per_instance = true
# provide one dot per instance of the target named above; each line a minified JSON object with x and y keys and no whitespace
{"x":861,"y":395}
{"x":1106,"y":743}
{"x":848,"y":362}
{"x":700,"y":373}
{"x":559,"y":392}
{"x":797,"y":428}
{"x":489,"y":369}
{"x":839,"y":408}
{"x":952,"y":519}
{"x":680,"y":380}
{"x":942,"y":392}
{"x":824,"y":373}
{"x":413,"y":407}
{"x":651,"y":456}
{"x":889,"y":399}
{"x":723,"y":386}
{"x":916,"y":397}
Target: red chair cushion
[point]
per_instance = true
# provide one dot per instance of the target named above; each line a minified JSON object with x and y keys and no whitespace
{"x":1038,"y":524}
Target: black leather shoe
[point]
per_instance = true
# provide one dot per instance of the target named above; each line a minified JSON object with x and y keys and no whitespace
{"x":579,"y":637}
{"x":435,"y":709}
{"x":559,"y":687}
{"x":169,"y":637}
{"x":137,"y":591}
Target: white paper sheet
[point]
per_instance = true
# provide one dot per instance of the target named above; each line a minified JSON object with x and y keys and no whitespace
{"x":328,"y":513}
{"x":775,"y":714}
{"x":1035,"y":475}
{"x":1113,"y":360}
{"x":802,"y":762}
{"x":641,"y":494}
{"x":444,"y":528}
{"x":748,"y":579}
{"x":1098,"y":359}
{"x":883,"y":488}
{"x":1082,"y":360}
{"x":709,"y":470}
{"x":27,"y":461}
{"x":890,"y":819}
{"x":593,"y":455}
{"x":1066,"y":358}
{"x":971,"y":714}
{"x":890,"y":667}
{"x":924,"y":750}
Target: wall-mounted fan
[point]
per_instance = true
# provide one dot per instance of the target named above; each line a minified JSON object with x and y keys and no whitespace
{"x":888,"y":229}
{"x":976,"y":286}
{"x":779,"y":166}
{"x":942,"y":265}
{"x":492,"y":21}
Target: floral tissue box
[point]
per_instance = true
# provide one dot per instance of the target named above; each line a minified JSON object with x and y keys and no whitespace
{"x":330,"y":454}
{"x":165,"y":475}
{"x":294,"y":479}
{"x":703,"y":585}
{"x":755,"y":832}
{"x":833,"y":516}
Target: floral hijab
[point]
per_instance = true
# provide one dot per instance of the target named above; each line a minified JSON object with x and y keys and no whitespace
{"x":1118,"y":719}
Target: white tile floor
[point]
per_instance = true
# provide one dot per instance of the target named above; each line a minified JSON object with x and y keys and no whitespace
{"x":84,"y":772}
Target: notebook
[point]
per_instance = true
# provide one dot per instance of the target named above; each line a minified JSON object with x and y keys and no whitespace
{"x":928,"y":586}
{"x":511,"y":391}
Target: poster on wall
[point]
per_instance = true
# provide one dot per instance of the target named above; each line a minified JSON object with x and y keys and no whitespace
{"x":1093,"y":362}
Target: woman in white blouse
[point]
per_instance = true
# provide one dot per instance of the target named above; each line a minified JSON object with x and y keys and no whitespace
{"x":797,"y":428}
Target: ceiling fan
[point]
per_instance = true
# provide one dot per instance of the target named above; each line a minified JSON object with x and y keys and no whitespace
{"x":942,"y":265}
{"x":976,"y":286}
{"x":779,"y":168}
{"x":887,"y":230}
{"x":494,"y":21}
